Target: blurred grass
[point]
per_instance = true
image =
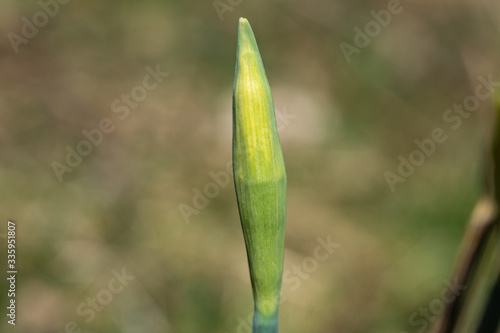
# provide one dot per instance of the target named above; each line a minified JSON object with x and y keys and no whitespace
{"x":120,"y":206}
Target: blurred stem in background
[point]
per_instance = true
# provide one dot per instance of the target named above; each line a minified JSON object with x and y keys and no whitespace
{"x":479,"y":249}
{"x":260,"y":179}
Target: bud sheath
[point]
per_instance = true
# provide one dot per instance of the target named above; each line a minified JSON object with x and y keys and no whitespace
{"x":259,"y":177}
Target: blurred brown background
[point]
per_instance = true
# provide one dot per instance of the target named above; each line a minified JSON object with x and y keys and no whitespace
{"x":343,"y":125}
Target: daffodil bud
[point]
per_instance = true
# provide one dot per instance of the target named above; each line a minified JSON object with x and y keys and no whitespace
{"x":259,"y":177}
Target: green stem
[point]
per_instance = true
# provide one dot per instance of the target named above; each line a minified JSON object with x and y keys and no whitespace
{"x":265,"y":324}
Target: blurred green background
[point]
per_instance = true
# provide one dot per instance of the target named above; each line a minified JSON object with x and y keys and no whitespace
{"x":342,"y":126}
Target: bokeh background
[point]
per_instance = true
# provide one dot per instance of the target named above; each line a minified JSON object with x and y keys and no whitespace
{"x":342,"y":126}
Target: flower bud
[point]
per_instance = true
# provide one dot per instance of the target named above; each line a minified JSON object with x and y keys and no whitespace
{"x":259,"y":177}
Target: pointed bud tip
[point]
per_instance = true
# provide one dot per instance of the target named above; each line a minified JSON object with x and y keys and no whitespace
{"x":247,"y":45}
{"x":244,"y":27}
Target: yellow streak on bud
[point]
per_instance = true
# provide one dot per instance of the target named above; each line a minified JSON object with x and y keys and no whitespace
{"x":257,"y":143}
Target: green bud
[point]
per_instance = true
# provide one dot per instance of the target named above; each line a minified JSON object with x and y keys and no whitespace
{"x":259,"y":177}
